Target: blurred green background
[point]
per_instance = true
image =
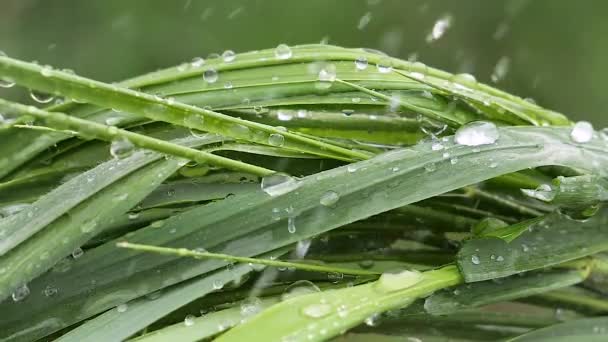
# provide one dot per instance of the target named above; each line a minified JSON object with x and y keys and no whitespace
{"x":555,"y":48}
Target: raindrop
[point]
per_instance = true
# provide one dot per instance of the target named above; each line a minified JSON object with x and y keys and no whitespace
{"x":189,"y":320}
{"x":365,"y":264}
{"x":41,"y":97}
{"x":210,"y":75}
{"x":217,"y":284}
{"x":291,"y":225}
{"x":317,"y":310}
{"x":278,"y":184}
{"x":543,"y":192}
{"x":437,"y":146}
{"x":390,"y":282}
{"x":418,"y":70}
{"x":500,"y":258}
{"x":384,"y":65}
{"x":121,"y":148}
{"x":361,"y":63}
{"x":50,"y":291}
{"x":372,"y":320}
{"x":440,"y":28}
{"x":77,"y":253}
{"x":501,"y":69}
{"x":475,"y":259}
{"x":228,"y":56}
{"x":356,"y":99}
{"x":197,"y":62}
{"x":299,"y":288}
{"x":46,"y":71}
{"x":122,"y":308}
{"x":582,"y":132}
{"x":364,"y":20}
{"x":282,"y":52}
{"x":228,"y":85}
{"x":251,"y":306}
{"x":476,"y":133}
{"x":276,"y":139}
{"x":284,"y":116}
{"x":5,"y":83}
{"x":21,"y":293}
{"x":430,"y":167}
{"x":326,"y":77}
{"x":329,"y":198}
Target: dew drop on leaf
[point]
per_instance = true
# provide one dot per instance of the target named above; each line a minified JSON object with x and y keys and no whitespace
{"x":282,"y":52}
{"x":189,"y":320}
{"x":20,"y":293}
{"x":276,"y":139}
{"x":291,"y":225}
{"x":41,"y":97}
{"x":385,"y":65}
{"x":300,"y":287}
{"x":217,"y":284}
{"x":278,"y":184}
{"x":390,"y":282}
{"x":210,"y":75}
{"x":477,"y":133}
{"x":361,"y":63}
{"x":326,"y":77}
{"x":77,"y":253}
{"x":582,"y":132}
{"x":317,"y":310}
{"x":122,"y":308}
{"x":329,"y":198}
{"x":50,"y":291}
{"x":228,"y":56}
{"x":475,"y":259}
{"x":250,"y":307}
{"x":197,"y":62}
{"x":121,"y":148}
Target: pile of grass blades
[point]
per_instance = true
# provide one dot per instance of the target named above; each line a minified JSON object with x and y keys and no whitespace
{"x":300,"y":193}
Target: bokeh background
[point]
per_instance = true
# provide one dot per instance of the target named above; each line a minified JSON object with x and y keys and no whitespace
{"x":556,"y":49}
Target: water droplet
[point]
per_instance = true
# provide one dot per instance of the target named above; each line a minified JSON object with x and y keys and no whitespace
{"x":276,"y":139}
{"x":284,"y":116}
{"x":41,"y":97}
{"x":326,"y":77}
{"x":46,"y":71}
{"x":299,"y":288}
{"x":197,"y":62}
{"x":454,"y":160}
{"x":476,"y":133}
{"x":582,"y":132}
{"x":329,"y":198}
{"x":501,"y":69}
{"x":390,"y":282}
{"x":500,"y":258}
{"x":543,"y":192}
{"x":21,"y":293}
{"x":439,"y":28}
{"x":122,"y":308}
{"x":282,"y":52}
{"x":121,"y":148}
{"x":418,"y":70}
{"x":385,"y":65}
{"x":430,"y":167}
{"x":365,"y":264}
{"x":189,"y":320}
{"x":4,"y":82}
{"x":217,"y":284}
{"x":77,"y":253}
{"x":228,"y":56}
{"x":278,"y":184}
{"x":372,"y":320}
{"x":317,"y":310}
{"x":475,"y":259}
{"x":361,"y":63}
{"x":525,"y":248}
{"x":291,"y":225}
{"x":228,"y":85}
{"x":210,"y":75}
{"x":437,"y":146}
{"x":50,"y":291}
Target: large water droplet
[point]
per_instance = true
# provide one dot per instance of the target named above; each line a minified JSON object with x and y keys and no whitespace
{"x":21,"y":293}
{"x":282,"y":52}
{"x":582,"y":132}
{"x":278,"y":184}
{"x":477,"y":133}
{"x":329,"y":198}
{"x":210,"y":75}
{"x":361,"y":63}
{"x":317,"y":310}
{"x":389,"y":282}
{"x":228,"y":56}
{"x":121,"y":148}
{"x":41,"y":97}
{"x":276,"y":139}
{"x":50,"y":291}
{"x":299,"y":288}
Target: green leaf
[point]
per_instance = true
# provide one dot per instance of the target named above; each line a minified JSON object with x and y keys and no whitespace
{"x":587,"y":329}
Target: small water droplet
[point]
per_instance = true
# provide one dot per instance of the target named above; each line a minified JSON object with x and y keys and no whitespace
{"x":228,"y":85}
{"x":197,"y":62}
{"x":299,"y":288}
{"x":582,"y":132}
{"x":418,"y":70}
{"x":217,"y":284}
{"x":121,"y":148}
{"x":276,"y":139}
{"x":46,"y":71}
{"x":282,"y":52}
{"x":453,"y":160}
{"x":5,"y":82}
{"x":210,"y":75}
{"x":477,"y":133}
{"x":20,"y":293}
{"x":543,"y":192}
{"x":77,"y":253}
{"x":385,"y":65}
{"x":329,"y":198}
{"x":430,"y":167}
{"x":475,"y":259}
{"x":361,"y":63}
{"x":189,"y":320}
{"x":437,"y":146}
{"x":500,"y":258}
{"x":251,"y":306}
{"x":228,"y":56}
{"x":326,"y":77}
{"x":317,"y":310}
{"x":284,"y":116}
{"x":278,"y":184}
{"x":122,"y":308}
{"x":50,"y":291}
{"x":291,"y":225}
